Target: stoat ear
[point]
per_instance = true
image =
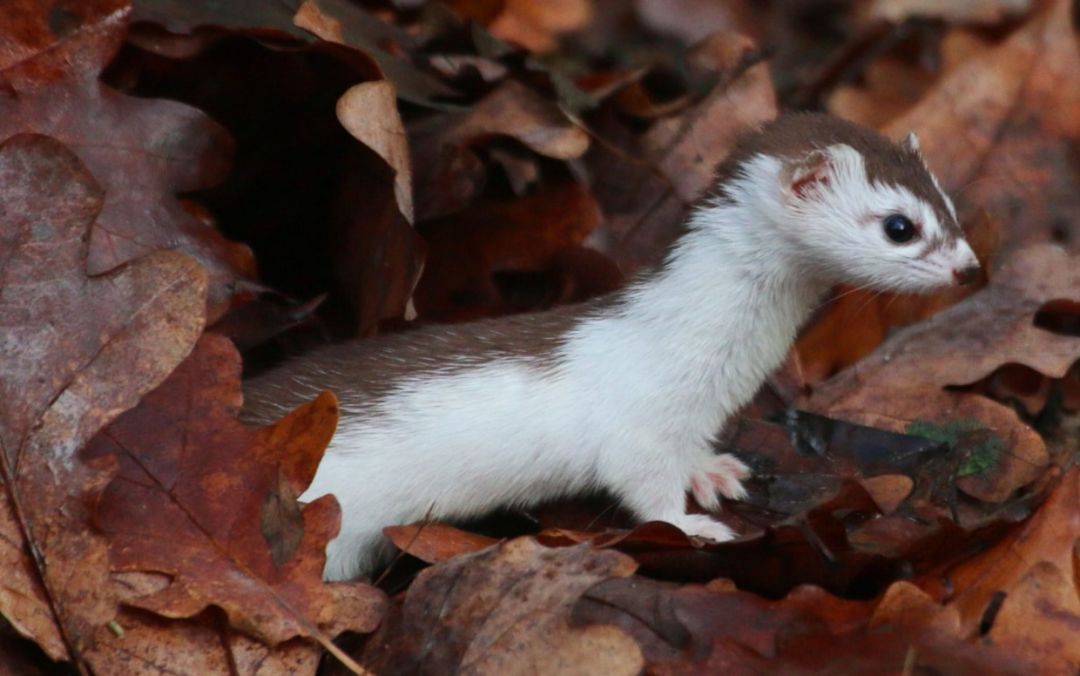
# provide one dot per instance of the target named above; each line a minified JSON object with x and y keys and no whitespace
{"x":805,"y":177}
{"x":911,"y":142}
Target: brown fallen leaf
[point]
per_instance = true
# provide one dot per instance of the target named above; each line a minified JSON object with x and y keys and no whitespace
{"x":138,"y":642}
{"x":1050,"y":536}
{"x":155,"y":148}
{"x":717,"y":629}
{"x":903,"y":381}
{"x":377,"y":256}
{"x":888,"y":490}
{"x":505,"y":610}
{"x":364,"y":217}
{"x":1000,"y":129}
{"x":192,"y":26}
{"x":209,"y":506}
{"x":646,"y":185}
{"x":1040,"y":619}
{"x":957,"y":11}
{"x":441,"y":145}
{"x":905,"y":605}
{"x":695,"y":20}
{"x":369,"y":112}
{"x":687,"y":147}
{"x":449,"y":176}
{"x":892,"y":85}
{"x":531,"y":24}
{"x":887,"y":89}
{"x":968,"y":341}
{"x":75,"y":352}
{"x":476,"y":256}
{"x":436,"y":542}
{"x":345,"y":23}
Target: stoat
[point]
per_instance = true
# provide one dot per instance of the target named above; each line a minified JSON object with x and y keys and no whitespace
{"x":626,"y":392}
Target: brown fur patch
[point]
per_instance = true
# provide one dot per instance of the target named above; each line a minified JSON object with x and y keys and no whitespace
{"x":361,"y":372}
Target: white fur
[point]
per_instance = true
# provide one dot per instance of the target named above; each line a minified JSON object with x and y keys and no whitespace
{"x":634,"y":397}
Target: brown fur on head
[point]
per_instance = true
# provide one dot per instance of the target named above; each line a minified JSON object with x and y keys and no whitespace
{"x":794,"y":136}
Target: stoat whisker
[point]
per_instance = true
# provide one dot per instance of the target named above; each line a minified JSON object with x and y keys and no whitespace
{"x":867,"y":301}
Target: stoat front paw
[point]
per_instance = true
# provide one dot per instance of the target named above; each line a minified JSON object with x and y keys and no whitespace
{"x":703,"y":526}
{"x":721,"y":474}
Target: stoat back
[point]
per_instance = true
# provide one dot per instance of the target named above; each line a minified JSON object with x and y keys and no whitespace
{"x":362,"y":373}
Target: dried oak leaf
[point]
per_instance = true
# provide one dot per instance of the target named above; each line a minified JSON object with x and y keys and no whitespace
{"x":537,"y":25}
{"x":646,"y":185}
{"x":193,"y":25}
{"x":903,"y":381}
{"x":533,"y":25}
{"x":138,"y":642}
{"x":1040,"y":617}
{"x":207,"y":506}
{"x":794,"y":521}
{"x":75,"y":351}
{"x":904,"y":604}
{"x":449,"y":175}
{"x":694,"y":20}
{"x":718,"y":629}
{"x":512,"y":255}
{"x":891,"y":86}
{"x":958,"y":11}
{"x":505,"y":610}
{"x":831,"y":503}
{"x":369,"y":112}
{"x":345,"y":23}
{"x":304,"y":191}
{"x":1050,"y":537}
{"x":1001,"y":129}
{"x":372,"y":225}
{"x":436,"y":542}
{"x":142,"y":151}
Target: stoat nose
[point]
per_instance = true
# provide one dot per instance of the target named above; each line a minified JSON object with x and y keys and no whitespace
{"x":966,"y":275}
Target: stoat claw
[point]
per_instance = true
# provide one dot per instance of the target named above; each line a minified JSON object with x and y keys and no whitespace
{"x":721,"y":474}
{"x":703,"y":526}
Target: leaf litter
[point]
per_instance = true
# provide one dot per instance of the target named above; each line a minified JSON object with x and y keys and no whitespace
{"x":914,"y":502}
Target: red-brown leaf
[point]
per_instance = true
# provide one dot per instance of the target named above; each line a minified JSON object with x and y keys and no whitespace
{"x":505,"y":610}
{"x":209,"y":505}
{"x":141,"y":151}
{"x":75,"y":351}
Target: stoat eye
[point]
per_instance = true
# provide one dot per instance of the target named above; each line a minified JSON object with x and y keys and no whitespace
{"x":899,"y":228}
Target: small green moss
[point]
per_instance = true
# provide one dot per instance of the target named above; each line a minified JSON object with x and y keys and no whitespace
{"x":983,"y":450}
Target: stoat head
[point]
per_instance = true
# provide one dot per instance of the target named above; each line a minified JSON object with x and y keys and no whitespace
{"x":857,"y":208}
